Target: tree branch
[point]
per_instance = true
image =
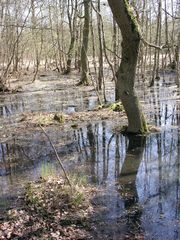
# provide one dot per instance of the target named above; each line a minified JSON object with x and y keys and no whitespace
{"x":152,"y":45}
{"x":170,"y":14}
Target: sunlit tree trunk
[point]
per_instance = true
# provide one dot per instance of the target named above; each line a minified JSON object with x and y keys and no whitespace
{"x":94,"y":53}
{"x":142,"y":47}
{"x":126,"y":72}
{"x":16,"y":52}
{"x":166,"y":31}
{"x":72,"y":17}
{"x":177,"y":62}
{"x":84,"y":49}
{"x":115,"y":45}
{"x":34,"y":36}
{"x":53,"y":40}
{"x":155,"y":74}
{"x":100,"y":70}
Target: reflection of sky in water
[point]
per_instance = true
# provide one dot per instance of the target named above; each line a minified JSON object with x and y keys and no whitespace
{"x":101,"y":155}
{"x":46,"y":101}
{"x":161,"y":104}
{"x":157,"y":181}
{"x":152,"y":172}
{"x":160,"y":191}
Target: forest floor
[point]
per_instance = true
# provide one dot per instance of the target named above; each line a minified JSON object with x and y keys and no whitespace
{"x":49,"y":209}
{"x":30,"y":121}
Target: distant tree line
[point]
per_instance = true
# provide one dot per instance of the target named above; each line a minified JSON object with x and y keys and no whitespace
{"x":63,"y":35}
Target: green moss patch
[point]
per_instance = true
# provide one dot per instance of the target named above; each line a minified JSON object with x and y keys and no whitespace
{"x":117,"y":107}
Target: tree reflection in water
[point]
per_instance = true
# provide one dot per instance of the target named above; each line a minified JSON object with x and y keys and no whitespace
{"x":139,"y":178}
{"x":140,"y":181}
{"x":127,"y":182}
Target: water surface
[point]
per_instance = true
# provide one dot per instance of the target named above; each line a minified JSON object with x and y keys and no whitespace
{"x":139,"y":177}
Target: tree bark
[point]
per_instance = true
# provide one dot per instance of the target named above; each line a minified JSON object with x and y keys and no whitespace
{"x":72,"y":16}
{"x":85,"y":43}
{"x":126,"y":73}
{"x":100,"y":70}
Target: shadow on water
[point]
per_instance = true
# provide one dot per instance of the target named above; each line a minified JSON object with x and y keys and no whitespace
{"x":140,"y":182}
{"x":138,"y":178}
{"x":127,"y":184}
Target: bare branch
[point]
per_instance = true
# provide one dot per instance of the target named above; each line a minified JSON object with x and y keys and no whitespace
{"x":57,"y":156}
{"x":151,"y":44}
{"x":170,"y":14}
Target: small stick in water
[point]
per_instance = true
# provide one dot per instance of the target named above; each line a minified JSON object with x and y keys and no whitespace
{"x":57,"y":156}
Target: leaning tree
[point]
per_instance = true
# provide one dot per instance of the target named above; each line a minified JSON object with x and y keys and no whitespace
{"x":125,"y":89}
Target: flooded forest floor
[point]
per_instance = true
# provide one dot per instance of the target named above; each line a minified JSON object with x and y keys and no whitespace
{"x":137,"y":180}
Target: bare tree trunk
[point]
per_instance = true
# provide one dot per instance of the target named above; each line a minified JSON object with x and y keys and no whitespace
{"x":155,"y":73}
{"x":84,"y":49}
{"x":53,"y":41}
{"x":126,"y":74}
{"x":10,"y":56}
{"x":16,"y":52}
{"x":115,"y":45}
{"x":34,"y":35}
{"x":177,"y":62}
{"x":166,"y":32}
{"x":72,"y":17}
{"x":94,"y":54}
{"x":100,"y":70}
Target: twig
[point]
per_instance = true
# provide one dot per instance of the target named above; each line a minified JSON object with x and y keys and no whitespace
{"x":170,"y":14}
{"x":57,"y":156}
{"x":152,"y":45}
{"x":113,"y":52}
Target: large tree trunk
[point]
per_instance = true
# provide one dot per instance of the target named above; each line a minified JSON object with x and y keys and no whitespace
{"x":126,"y":73}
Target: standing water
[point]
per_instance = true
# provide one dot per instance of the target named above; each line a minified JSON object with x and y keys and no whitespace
{"x":139,"y":177}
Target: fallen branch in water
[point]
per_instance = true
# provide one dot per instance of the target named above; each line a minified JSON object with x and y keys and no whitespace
{"x":57,"y":156}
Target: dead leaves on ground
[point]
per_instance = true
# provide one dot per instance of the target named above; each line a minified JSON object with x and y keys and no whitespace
{"x":46,"y":119}
{"x":51,"y":210}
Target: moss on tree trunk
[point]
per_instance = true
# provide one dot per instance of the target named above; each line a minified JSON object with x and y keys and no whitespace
{"x":125,"y":89}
